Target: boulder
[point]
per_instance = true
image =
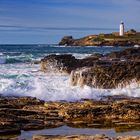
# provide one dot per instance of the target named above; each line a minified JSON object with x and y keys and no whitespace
{"x":107,"y":77}
{"x":65,"y":63}
{"x":59,"y":63}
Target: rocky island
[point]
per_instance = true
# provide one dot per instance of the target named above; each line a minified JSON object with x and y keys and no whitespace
{"x":130,"y":38}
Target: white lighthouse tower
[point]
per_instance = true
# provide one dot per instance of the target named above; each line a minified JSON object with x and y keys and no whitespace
{"x":122,"y":29}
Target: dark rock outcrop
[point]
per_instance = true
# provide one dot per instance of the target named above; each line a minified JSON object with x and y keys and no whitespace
{"x":59,"y":63}
{"x":65,"y":63}
{"x":130,"y":54}
{"x":66,"y":40}
{"x":106,"y":77}
{"x":116,"y":69}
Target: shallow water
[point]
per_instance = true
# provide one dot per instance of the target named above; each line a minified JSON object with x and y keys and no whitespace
{"x":65,"y":130}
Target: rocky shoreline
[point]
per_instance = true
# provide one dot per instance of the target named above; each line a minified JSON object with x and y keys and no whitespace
{"x":27,"y":113}
{"x":131,"y":38}
{"x":113,"y":70}
{"x":121,"y":113}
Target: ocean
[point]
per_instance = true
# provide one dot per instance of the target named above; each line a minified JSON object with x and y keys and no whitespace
{"x":20,"y":77}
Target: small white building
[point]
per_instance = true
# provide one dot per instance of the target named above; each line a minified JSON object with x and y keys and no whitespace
{"x":122,"y":29}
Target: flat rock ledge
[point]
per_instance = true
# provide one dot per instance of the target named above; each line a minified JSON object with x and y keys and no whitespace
{"x":27,"y":113}
{"x":113,"y":70}
{"x":85,"y":137}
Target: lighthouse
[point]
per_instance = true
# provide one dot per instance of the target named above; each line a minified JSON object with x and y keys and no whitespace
{"x":122,"y":29}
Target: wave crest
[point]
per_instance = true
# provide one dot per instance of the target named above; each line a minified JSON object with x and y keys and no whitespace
{"x":29,"y":82}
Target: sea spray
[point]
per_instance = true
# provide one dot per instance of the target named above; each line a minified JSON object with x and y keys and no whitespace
{"x":19,"y":77}
{"x":26,"y":80}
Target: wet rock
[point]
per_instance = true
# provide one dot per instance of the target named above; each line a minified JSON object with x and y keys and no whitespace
{"x":90,"y":61}
{"x":10,"y":131}
{"x":117,"y":69}
{"x":99,"y":114}
{"x":84,"y":137}
{"x":17,"y":102}
{"x":129,"y":138}
{"x":71,"y":137}
{"x":131,"y":54}
{"x":67,"y":63}
{"x":3,"y":138}
{"x":107,"y":77}
{"x":59,"y":63}
{"x":33,"y":126}
{"x":25,"y":113}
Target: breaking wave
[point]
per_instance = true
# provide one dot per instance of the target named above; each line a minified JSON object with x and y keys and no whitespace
{"x":25,"y":80}
{"x":6,"y":59}
{"x":20,"y":78}
{"x":26,"y":58}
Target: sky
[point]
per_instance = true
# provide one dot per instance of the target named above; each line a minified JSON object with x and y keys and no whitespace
{"x":47,"y":21}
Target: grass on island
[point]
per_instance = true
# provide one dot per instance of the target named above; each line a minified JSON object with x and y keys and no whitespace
{"x":116,"y":37}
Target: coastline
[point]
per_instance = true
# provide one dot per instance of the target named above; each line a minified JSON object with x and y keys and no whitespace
{"x":110,"y":71}
{"x":130,"y":38}
{"x":27,"y":113}
{"x":118,"y":112}
{"x":69,"y":70}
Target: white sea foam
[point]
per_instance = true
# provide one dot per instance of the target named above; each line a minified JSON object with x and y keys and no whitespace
{"x":2,"y":60}
{"x":76,"y":55}
{"x":1,"y":53}
{"x":26,"y":80}
{"x":22,"y":58}
{"x":81,"y":56}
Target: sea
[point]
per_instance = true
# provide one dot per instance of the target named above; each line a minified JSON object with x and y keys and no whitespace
{"x":19,"y":76}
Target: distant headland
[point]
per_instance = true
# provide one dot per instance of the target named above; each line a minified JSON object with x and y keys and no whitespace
{"x":121,"y":38}
{"x":130,"y":38}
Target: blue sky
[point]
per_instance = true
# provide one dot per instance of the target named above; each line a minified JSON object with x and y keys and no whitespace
{"x":47,"y":21}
